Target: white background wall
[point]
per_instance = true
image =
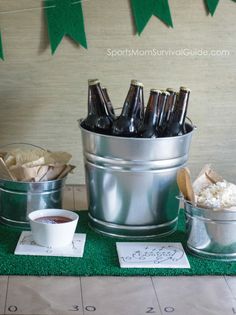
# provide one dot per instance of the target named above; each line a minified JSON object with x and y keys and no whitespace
{"x":42,"y":96}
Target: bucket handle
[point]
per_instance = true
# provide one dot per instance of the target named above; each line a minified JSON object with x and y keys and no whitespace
{"x":191,"y":123}
{"x":179,"y":197}
{"x":184,"y":201}
{"x":22,"y":143}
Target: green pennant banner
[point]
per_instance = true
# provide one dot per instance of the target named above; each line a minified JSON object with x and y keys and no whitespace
{"x":162,"y":11}
{"x":144,"y":9}
{"x":211,"y":5}
{"x":1,"y":49}
{"x":65,"y":17}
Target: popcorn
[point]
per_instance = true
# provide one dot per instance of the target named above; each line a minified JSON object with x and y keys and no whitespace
{"x":218,"y":196}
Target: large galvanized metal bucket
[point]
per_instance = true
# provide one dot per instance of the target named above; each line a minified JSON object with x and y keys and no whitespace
{"x":131,"y":183}
{"x":18,"y":199}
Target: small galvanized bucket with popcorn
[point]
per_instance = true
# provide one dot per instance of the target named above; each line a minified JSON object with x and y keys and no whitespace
{"x":211,"y":234}
{"x":211,"y":220}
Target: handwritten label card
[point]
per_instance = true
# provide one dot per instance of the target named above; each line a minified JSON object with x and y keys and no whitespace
{"x":151,"y":255}
{"x":27,"y":246}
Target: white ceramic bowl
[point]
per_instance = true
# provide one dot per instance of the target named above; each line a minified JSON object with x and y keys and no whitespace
{"x":53,"y":235}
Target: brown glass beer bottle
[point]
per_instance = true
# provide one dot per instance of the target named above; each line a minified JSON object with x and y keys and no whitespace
{"x":98,"y":118}
{"x":163,"y":99}
{"x":170,"y":103}
{"x":130,"y":120}
{"x":151,"y":117}
{"x":176,"y":124}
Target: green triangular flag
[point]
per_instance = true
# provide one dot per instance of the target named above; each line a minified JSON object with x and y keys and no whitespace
{"x":211,"y":5}
{"x":142,"y":10}
{"x":162,"y":11}
{"x":1,"y":49}
{"x":65,"y":17}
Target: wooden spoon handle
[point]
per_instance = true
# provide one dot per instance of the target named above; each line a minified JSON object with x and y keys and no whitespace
{"x":182,"y":182}
{"x":190,"y":192}
{"x":185,"y":184}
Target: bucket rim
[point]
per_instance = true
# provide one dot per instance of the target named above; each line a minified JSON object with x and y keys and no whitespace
{"x":206,"y":209}
{"x":208,"y":213}
{"x":136,"y":138}
{"x":33,"y":183}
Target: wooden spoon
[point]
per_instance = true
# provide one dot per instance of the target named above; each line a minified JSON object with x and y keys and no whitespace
{"x":185,"y":184}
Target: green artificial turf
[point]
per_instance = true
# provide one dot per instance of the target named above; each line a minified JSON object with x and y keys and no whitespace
{"x":100,"y":257}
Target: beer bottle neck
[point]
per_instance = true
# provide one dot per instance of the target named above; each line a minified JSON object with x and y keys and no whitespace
{"x":181,"y":107}
{"x":97,"y":103}
{"x":108,"y":103}
{"x":170,"y":105}
{"x":151,"y":115}
{"x":134,"y":106}
{"x":162,"y":103}
{"x":106,"y":96}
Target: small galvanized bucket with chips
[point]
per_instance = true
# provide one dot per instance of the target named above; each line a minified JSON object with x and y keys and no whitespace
{"x":30,"y":186}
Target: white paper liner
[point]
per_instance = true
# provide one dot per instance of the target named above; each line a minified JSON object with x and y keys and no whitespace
{"x":34,"y":165}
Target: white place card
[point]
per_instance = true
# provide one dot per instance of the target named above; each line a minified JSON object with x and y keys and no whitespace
{"x":27,"y":246}
{"x":151,"y":255}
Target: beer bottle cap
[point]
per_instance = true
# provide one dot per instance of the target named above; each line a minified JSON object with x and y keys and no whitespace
{"x":155,"y":91}
{"x":170,"y":90}
{"x":93,"y":81}
{"x":165,"y":92}
{"x":183,"y":88}
{"x":136,"y":82}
